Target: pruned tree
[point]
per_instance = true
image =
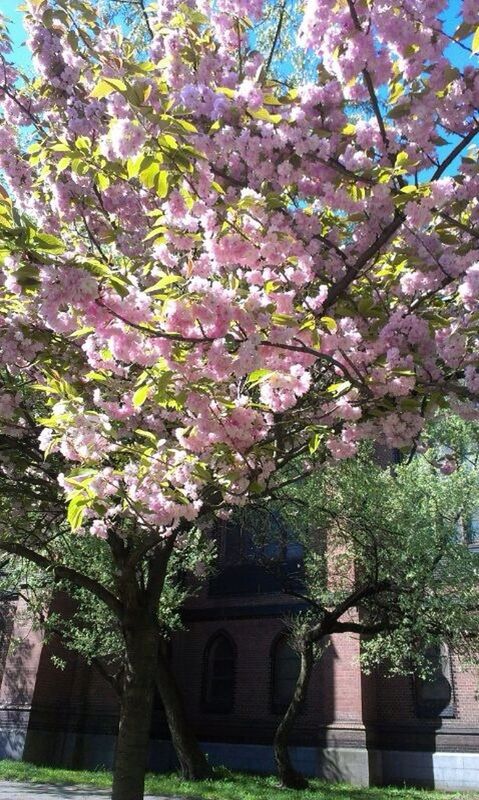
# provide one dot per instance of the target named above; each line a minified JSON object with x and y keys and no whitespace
{"x":386,"y":558}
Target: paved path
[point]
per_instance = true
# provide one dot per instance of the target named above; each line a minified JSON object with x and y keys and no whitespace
{"x":40,"y":791}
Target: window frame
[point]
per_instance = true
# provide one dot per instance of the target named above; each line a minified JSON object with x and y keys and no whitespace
{"x":425,"y":709}
{"x":207,"y":704}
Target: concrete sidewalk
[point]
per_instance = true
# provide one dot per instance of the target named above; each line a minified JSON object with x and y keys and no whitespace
{"x":10,"y":790}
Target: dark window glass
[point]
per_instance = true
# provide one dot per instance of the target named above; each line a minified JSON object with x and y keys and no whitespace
{"x":219,"y":675}
{"x":434,"y":695}
{"x":256,"y":564}
{"x":285,"y":671}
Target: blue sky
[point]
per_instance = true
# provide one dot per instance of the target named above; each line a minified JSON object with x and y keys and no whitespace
{"x":9,"y":9}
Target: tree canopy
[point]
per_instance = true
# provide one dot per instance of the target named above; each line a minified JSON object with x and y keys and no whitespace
{"x":212,"y":272}
{"x":207,"y":273}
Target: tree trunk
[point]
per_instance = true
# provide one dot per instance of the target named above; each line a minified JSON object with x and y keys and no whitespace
{"x":288,"y":776}
{"x":141,"y":648}
{"x":192,"y":760}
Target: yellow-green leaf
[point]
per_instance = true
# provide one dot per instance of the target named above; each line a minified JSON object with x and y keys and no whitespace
{"x":76,"y":511}
{"x":133,"y":166}
{"x":48,"y":242}
{"x":258,"y":375}
{"x":330,"y":324}
{"x":102,"y":181}
{"x":266,"y":116}
{"x":140,"y":396}
{"x":148,"y":174}
{"x":106,"y":86}
{"x":338,"y":388}
{"x":63,"y":163}
{"x":475,"y":41}
{"x":162,"y":183}
{"x":166,"y":280}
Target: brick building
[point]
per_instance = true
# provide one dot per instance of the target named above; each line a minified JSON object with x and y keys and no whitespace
{"x":236,"y":670}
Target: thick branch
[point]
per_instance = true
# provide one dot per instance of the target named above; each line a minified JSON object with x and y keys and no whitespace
{"x":331,"y":618}
{"x":66,"y":573}
{"x":353,"y":271}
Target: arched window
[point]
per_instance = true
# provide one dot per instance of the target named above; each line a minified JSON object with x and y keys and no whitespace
{"x":434,"y":695}
{"x":219,"y":674}
{"x":285,"y":664}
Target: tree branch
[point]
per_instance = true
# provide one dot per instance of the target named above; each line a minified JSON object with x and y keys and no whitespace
{"x":66,"y":573}
{"x":455,"y":152}
{"x":353,"y":271}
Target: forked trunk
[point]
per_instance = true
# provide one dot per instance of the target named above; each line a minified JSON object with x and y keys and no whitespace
{"x":192,"y":760}
{"x":141,"y":640}
{"x":288,"y":775}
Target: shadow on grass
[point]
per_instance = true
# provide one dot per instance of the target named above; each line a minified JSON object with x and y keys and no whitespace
{"x":225,"y":785}
{"x":240,"y":786}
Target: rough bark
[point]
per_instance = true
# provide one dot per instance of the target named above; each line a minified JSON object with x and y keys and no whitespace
{"x":141,"y":645}
{"x":192,"y":760}
{"x":288,"y":775}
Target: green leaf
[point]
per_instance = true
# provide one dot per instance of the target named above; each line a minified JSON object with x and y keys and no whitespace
{"x":48,"y":242}
{"x":258,"y":375}
{"x":106,"y":86}
{"x":339,"y":388}
{"x":169,"y":141}
{"x":330,"y":324}
{"x":226,"y":91}
{"x":283,"y":319}
{"x":76,"y":510}
{"x":62,"y":147}
{"x":148,"y":172}
{"x":314,"y":443}
{"x":402,"y":158}
{"x":81,"y":332}
{"x":146,"y":435}
{"x":217,"y":187}
{"x":63,"y":163}
{"x":133,"y":165}
{"x":140,"y":395}
{"x":187,"y":126}
{"x":266,"y":116}
{"x":165,"y":281}
{"x":102,"y":181}
{"x":475,"y":41}
{"x":96,"y":376}
{"x":271,"y":100}
{"x":161,"y":183}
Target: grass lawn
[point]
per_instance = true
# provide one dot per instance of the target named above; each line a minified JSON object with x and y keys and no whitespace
{"x":226,"y":786}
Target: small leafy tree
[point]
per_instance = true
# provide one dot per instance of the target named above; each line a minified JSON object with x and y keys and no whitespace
{"x":47,"y":562}
{"x":386,"y":557}
{"x":207,"y":273}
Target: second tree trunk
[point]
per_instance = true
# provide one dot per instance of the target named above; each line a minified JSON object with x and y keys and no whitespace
{"x":192,"y":760}
{"x":288,"y":775}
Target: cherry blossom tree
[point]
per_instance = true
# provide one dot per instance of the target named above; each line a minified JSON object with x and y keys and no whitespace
{"x":209,"y":275}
